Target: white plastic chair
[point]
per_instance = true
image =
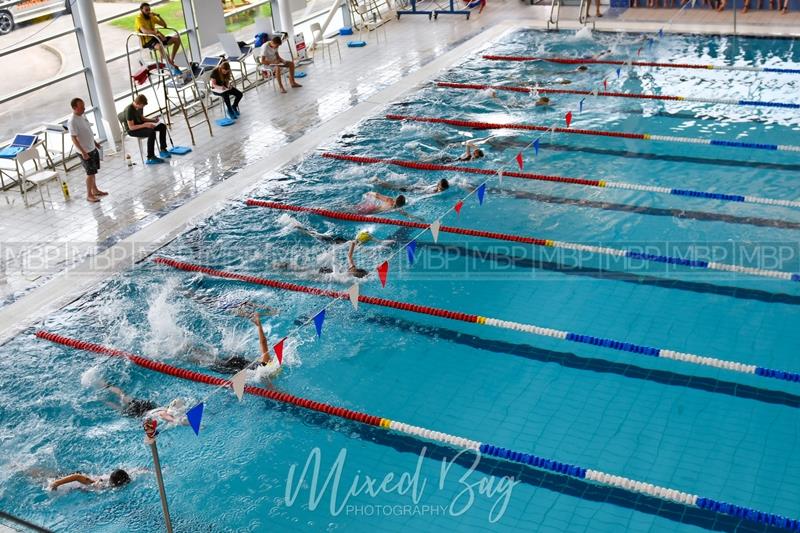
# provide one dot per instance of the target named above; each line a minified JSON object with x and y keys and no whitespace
{"x":36,"y":174}
{"x":320,"y":41}
{"x":125,"y":135}
{"x":211,"y":96}
{"x":235,"y":55}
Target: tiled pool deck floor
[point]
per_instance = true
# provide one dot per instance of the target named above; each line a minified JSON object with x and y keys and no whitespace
{"x":37,"y":244}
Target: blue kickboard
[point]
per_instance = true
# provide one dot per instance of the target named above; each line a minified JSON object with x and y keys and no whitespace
{"x":300,"y":74}
{"x":222,"y":122}
{"x":356,"y":44}
{"x":179,"y":150}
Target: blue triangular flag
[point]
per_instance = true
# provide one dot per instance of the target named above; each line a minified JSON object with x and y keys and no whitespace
{"x":318,"y":320}
{"x":580,"y":105}
{"x":195,"y":415}
{"x":661,"y":33}
{"x":481,"y":193}
{"x":618,"y":73}
{"x":649,"y":42}
{"x":536,"y":147}
{"x":410,"y":249}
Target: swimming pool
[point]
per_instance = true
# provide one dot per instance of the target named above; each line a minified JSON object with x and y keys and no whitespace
{"x":698,"y":429}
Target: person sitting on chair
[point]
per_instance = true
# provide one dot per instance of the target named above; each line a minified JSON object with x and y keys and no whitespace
{"x":145,"y":23}
{"x":222,"y":85}
{"x":137,"y":125}
{"x":270,"y":58}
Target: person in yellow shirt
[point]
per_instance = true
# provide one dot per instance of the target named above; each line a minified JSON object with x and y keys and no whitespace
{"x":146,"y":22}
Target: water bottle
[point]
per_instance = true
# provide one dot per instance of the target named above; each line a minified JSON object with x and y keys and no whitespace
{"x":128,"y":160}
{"x":65,"y":189}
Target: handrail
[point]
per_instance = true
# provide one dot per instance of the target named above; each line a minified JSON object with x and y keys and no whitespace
{"x":583,"y":14}
{"x":555,"y":7}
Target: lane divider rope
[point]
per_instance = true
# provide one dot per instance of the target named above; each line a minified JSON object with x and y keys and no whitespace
{"x":534,"y":461}
{"x":598,"y":133}
{"x":419,"y":165}
{"x":603,"y":250}
{"x":505,"y":324}
{"x":545,"y":90}
{"x":593,"y":61}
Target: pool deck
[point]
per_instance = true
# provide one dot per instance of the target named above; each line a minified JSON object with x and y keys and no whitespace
{"x":51,"y":256}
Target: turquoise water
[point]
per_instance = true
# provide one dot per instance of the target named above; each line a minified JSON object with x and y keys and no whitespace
{"x":710,"y":432}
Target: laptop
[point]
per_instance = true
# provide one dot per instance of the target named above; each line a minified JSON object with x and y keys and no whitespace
{"x":19,"y":144}
{"x":209,"y":63}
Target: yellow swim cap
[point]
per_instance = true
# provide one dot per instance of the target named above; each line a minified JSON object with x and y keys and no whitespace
{"x":363,"y":237}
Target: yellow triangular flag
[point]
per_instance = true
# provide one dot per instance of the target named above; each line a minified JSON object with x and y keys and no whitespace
{"x":435,"y":230}
{"x":238,"y":383}
{"x":353,"y":292}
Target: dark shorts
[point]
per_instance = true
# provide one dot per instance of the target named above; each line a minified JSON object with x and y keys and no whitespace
{"x":151,"y":43}
{"x":91,"y":165}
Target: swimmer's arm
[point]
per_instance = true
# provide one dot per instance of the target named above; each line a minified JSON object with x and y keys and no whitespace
{"x":409,"y":216}
{"x":80,"y":478}
{"x":262,"y":339}
{"x":351,"y":264}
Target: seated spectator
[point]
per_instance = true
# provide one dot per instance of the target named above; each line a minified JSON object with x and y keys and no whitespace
{"x":140,"y":126}
{"x":222,"y":85}
{"x":270,"y":58}
{"x":152,"y":39}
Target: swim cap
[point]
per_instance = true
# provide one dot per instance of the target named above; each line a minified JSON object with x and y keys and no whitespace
{"x":364,"y":237}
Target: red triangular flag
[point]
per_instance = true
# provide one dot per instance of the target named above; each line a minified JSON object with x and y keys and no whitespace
{"x":639,"y":51}
{"x":383,"y":270}
{"x":519,"y":160}
{"x":605,"y":85}
{"x":568,"y":118}
{"x":458,"y":207}
{"x":278,"y":348}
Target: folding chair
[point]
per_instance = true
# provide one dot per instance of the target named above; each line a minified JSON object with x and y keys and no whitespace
{"x":35,"y":174}
{"x":234,"y":54}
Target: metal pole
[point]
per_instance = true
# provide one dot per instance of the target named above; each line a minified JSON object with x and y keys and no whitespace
{"x":150,"y":438}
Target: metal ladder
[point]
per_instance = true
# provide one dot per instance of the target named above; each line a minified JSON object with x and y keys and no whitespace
{"x":583,"y":13}
{"x":555,"y":12}
{"x":162,"y":73}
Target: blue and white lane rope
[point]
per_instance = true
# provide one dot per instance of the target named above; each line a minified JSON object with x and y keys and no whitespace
{"x":417,"y":432}
{"x":437,"y":167}
{"x":538,"y":241}
{"x":476,"y":319}
{"x":640,"y":487}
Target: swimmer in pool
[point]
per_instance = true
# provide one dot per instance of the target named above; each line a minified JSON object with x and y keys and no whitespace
{"x":174,"y":413}
{"x":373,"y":202}
{"x":440,"y":186}
{"x":470,"y":154}
{"x":117,"y":478}
{"x":128,"y":405}
{"x":543,"y":101}
{"x":237,"y":363}
{"x":362,"y":238}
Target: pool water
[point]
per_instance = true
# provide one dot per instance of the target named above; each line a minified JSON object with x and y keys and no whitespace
{"x":706,"y":431}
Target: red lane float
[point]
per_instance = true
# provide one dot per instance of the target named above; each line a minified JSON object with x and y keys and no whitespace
{"x":424,"y":309}
{"x":353,"y":217}
{"x":198,"y":377}
{"x":543,"y":90}
{"x":467,"y":170}
{"x":591,"y":61}
{"x":515,"y":126}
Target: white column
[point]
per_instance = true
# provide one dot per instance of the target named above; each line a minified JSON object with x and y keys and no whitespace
{"x":97,"y":62}
{"x":287,"y":24}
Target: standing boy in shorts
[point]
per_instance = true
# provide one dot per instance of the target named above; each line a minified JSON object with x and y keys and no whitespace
{"x":83,"y":138}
